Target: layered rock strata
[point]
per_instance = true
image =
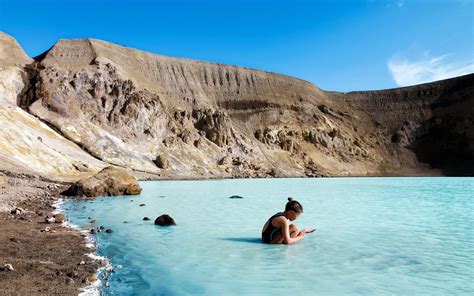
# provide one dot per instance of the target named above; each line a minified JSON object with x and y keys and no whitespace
{"x":179,"y":118}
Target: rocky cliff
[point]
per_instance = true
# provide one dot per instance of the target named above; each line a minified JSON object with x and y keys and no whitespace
{"x":85,"y":104}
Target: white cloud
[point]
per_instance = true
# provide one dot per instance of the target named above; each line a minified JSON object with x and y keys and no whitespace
{"x":428,"y":69}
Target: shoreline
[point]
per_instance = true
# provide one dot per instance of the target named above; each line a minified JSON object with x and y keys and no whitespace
{"x":63,"y":260}
{"x":47,"y":259}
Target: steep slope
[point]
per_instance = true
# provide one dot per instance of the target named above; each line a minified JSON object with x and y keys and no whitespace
{"x":434,"y":120}
{"x":180,"y":118}
{"x":126,"y":107}
{"x":27,"y":144}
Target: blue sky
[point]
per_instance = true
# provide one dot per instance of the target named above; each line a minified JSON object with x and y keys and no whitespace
{"x":337,"y":45}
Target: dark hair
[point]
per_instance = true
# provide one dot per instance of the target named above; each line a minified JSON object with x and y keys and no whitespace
{"x":293,"y":205}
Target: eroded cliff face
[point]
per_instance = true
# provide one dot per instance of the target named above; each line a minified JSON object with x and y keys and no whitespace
{"x":179,"y":118}
{"x":27,"y":144}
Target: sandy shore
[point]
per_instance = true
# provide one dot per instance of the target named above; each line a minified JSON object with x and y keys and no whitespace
{"x":52,"y":262}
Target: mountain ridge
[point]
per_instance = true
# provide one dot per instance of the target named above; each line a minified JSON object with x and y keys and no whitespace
{"x":127,"y":107}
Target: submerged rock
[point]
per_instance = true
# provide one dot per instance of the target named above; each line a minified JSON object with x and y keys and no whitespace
{"x":165,"y":220}
{"x":235,"y":196}
{"x":110,"y":181}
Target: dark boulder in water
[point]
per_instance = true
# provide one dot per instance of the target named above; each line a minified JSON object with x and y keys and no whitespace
{"x":146,"y":219}
{"x":236,"y":196}
{"x":165,"y":220}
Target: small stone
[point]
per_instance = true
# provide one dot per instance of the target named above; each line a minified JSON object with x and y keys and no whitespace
{"x":8,"y":267}
{"x":90,"y":279}
{"x":72,"y":274}
{"x":14,"y":240}
{"x":102,"y":228}
{"x":46,"y":229}
{"x":17,"y":211}
{"x":161,"y":162}
{"x":146,"y":219}
{"x":59,"y":218}
{"x":93,"y":231}
{"x":235,"y":196}
{"x":82,"y":263}
{"x":109,"y":231}
{"x":142,"y":205}
{"x":69,"y":281}
{"x":49,"y":220}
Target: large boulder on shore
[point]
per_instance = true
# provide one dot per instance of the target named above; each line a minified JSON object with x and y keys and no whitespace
{"x":110,"y":181}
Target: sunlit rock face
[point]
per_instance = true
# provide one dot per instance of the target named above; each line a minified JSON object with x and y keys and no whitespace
{"x":179,"y":118}
{"x":26,"y":142}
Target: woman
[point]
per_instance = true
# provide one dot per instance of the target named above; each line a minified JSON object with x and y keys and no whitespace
{"x":278,"y":230}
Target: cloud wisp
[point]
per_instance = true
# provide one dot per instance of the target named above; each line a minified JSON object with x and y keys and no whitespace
{"x":406,"y":72}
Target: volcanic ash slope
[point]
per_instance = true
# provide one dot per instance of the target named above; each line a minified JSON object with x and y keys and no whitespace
{"x":93,"y":103}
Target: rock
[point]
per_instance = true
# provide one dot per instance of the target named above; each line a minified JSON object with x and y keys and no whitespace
{"x":82,"y":263}
{"x":93,"y":231}
{"x":109,"y":231}
{"x":49,"y":220}
{"x":17,"y":211}
{"x":215,"y":124}
{"x":164,"y":220}
{"x":235,"y":196}
{"x":287,"y":145}
{"x":142,"y":205}
{"x":110,"y":181}
{"x":90,"y":279}
{"x":8,"y":267}
{"x":2,"y":181}
{"x":14,"y":240}
{"x":161,"y":162}
{"x":102,"y":228}
{"x":46,"y":229}
{"x":59,"y":218}
{"x":72,"y":274}
{"x":259,"y":135}
{"x":146,"y":219}
{"x":69,"y":281}
{"x":226,"y":160}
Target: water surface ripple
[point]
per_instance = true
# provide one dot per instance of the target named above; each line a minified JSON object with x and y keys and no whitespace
{"x":375,"y":236}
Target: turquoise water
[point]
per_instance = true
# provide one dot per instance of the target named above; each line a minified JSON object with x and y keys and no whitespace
{"x":374,"y":236}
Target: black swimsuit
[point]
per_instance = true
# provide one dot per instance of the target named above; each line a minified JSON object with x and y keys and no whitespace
{"x":271,"y":232}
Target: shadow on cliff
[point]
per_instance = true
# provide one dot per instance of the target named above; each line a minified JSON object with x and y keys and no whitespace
{"x":446,"y":141}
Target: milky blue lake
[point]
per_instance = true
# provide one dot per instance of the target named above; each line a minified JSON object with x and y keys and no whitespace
{"x":389,"y":236}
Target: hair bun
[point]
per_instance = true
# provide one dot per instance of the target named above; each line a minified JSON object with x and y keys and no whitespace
{"x":290,"y":199}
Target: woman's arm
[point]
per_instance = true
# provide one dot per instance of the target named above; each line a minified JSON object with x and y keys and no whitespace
{"x":287,"y":239}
